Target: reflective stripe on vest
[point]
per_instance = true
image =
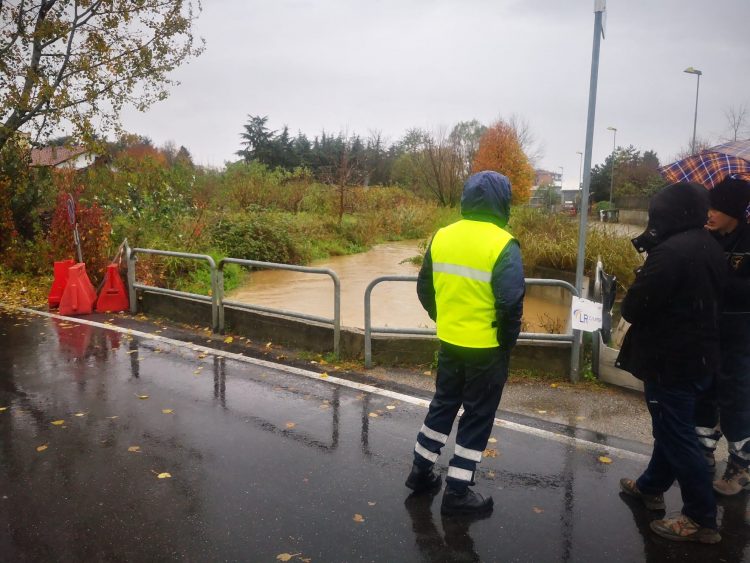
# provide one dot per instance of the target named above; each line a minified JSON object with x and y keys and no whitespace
{"x":463,"y":256}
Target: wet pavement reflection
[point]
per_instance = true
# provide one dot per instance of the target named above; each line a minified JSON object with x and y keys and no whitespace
{"x":263,"y":462}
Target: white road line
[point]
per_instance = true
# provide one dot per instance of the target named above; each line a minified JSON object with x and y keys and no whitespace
{"x":538,"y":432}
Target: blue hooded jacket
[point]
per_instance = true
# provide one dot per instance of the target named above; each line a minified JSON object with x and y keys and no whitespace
{"x":486,"y":197}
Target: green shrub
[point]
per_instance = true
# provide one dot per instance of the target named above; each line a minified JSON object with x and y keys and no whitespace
{"x":551,"y":240}
{"x":257,"y":236}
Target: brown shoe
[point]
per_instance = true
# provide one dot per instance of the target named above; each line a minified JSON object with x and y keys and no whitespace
{"x":652,"y":502}
{"x":683,"y":528}
{"x":735,"y":479}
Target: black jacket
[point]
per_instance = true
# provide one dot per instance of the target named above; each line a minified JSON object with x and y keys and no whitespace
{"x":673,"y":305}
{"x":736,"y":247}
{"x":486,"y":197}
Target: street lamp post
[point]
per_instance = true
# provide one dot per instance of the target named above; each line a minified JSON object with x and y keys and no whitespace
{"x":612,"y":167}
{"x":698,"y":73}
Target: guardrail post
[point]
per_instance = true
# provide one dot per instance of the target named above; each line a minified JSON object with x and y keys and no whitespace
{"x":130,"y":259}
{"x":368,"y":323}
{"x":336,"y":316}
{"x":214,"y":296}
{"x":220,"y":294}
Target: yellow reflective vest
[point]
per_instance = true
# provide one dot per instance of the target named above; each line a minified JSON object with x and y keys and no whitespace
{"x":463,"y":256}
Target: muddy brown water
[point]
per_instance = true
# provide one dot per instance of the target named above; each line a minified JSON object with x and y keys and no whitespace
{"x":394,"y":304}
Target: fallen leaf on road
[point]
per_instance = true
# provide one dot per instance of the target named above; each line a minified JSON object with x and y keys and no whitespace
{"x":112,"y":417}
{"x":79,"y":414}
{"x":164,"y":476}
{"x":136,"y":449}
{"x":390,"y":407}
{"x":427,"y":373}
{"x":373,"y":415}
{"x":358,"y":518}
{"x":490,"y":453}
{"x":58,"y":422}
{"x":605,"y":459}
{"x":41,"y":448}
{"x":269,"y":344}
{"x":538,"y":510}
{"x":290,"y":424}
{"x":371,"y":503}
{"x":3,"y":409}
{"x":492,"y":440}
{"x":131,"y":351}
{"x":542,"y":412}
{"x":157,"y":331}
{"x":324,"y":375}
{"x":286,"y":556}
{"x":491,"y":474}
{"x":167,"y":411}
{"x":580,"y":418}
{"x":554,"y":386}
{"x":228,"y":340}
{"x":142,"y":397}
{"x":202,"y":355}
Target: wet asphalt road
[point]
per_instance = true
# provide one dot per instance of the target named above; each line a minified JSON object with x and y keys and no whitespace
{"x":265,"y":463}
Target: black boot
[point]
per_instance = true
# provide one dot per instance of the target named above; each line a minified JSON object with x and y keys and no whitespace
{"x":465,"y":502}
{"x":421,"y":480}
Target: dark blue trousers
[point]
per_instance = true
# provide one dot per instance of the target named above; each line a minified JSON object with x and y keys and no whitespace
{"x":677,"y":453}
{"x":728,"y":400}
{"x":472,"y":378}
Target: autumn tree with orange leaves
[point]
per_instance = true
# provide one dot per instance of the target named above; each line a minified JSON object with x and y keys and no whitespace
{"x":500,"y":149}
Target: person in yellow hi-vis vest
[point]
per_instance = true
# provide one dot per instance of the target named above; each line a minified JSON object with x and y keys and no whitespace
{"x":472,"y":285}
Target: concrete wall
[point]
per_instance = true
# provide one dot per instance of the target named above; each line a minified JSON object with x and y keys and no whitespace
{"x":548,"y":357}
{"x":634,"y":217}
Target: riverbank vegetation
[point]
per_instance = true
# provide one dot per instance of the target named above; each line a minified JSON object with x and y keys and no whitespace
{"x":286,"y":200}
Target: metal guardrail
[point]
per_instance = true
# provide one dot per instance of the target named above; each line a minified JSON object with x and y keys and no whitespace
{"x":133,"y":285}
{"x":573,"y":337}
{"x":336,"y":321}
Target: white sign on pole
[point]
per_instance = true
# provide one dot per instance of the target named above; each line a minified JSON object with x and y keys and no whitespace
{"x":586,"y":315}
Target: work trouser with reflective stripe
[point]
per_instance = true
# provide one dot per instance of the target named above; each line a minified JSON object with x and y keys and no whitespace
{"x":472,"y":378}
{"x":725,"y":408}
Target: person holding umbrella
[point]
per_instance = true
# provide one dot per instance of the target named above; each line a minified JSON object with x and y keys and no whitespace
{"x":672,"y":345}
{"x":726,"y":409}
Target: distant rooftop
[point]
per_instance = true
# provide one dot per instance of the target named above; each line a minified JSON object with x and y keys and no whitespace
{"x":54,"y":156}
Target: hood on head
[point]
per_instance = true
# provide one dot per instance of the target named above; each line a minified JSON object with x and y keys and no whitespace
{"x":487,"y":197}
{"x":678,"y":207}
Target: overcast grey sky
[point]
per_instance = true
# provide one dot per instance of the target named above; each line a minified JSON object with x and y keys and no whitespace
{"x":388,"y":65}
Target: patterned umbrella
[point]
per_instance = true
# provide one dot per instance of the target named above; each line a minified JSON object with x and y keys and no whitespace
{"x":711,"y":166}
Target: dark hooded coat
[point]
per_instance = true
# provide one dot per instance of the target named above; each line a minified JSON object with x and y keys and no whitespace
{"x":673,"y":305}
{"x":486,"y":197}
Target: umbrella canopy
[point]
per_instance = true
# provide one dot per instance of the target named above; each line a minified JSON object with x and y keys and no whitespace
{"x":711,"y":166}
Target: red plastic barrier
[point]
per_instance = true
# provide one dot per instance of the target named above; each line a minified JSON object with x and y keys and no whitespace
{"x":79,"y":295}
{"x":58,"y":285}
{"x":113,"y":297}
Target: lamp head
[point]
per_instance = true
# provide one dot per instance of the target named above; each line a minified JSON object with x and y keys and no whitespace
{"x":612,"y":128}
{"x":691,"y":70}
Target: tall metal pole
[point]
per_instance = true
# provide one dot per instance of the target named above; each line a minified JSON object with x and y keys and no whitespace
{"x":695,"y":117}
{"x":698,"y":73}
{"x":599,"y":8}
{"x":580,"y":169}
{"x":612,"y":166}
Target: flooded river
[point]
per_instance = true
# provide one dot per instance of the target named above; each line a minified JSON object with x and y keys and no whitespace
{"x":394,"y":304}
